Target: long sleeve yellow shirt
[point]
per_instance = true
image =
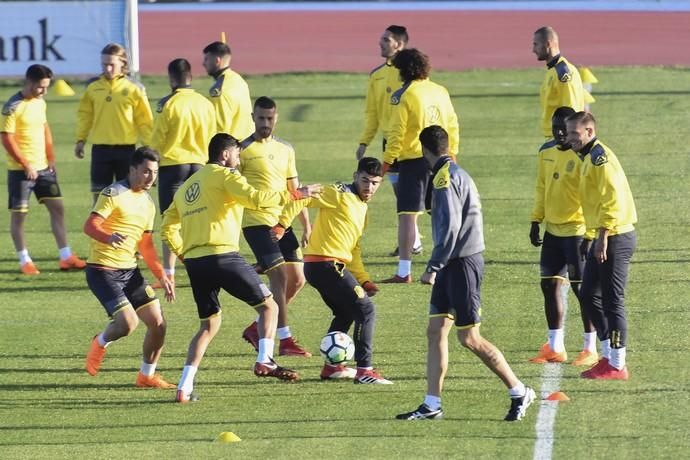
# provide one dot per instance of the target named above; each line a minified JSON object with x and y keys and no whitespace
{"x":416,"y":105}
{"x":114,"y":112}
{"x":562,"y":87}
{"x":383,"y":82}
{"x":230,"y":97}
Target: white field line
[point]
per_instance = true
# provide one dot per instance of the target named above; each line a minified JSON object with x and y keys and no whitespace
{"x":550,"y":382}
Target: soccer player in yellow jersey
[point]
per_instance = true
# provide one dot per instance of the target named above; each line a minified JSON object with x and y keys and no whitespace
{"x":185,"y":123}
{"x":562,"y":85}
{"x":229,"y":94}
{"x":268,"y":163}
{"x":113,"y":113}
{"x":28,"y":141}
{"x":418,"y":104}
{"x":202,"y":226}
{"x":384,"y":80}
{"x":121,"y":222}
{"x":610,"y":217}
{"x":557,"y":206}
{"x":333,"y":264}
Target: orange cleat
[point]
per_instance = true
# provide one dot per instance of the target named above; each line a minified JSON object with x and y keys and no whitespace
{"x":586,"y":358}
{"x":290,"y":347}
{"x":94,"y":357}
{"x":154,"y":381}
{"x":72,"y":263}
{"x":273,"y":370}
{"x":30,"y":269}
{"x":547,"y":355}
{"x":395,"y":279}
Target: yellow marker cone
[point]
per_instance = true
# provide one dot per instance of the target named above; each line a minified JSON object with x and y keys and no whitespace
{"x":557,"y":396}
{"x":227,"y":437}
{"x":222,"y":37}
{"x":587,"y":76}
{"x":61,"y":88}
{"x":589,"y":99}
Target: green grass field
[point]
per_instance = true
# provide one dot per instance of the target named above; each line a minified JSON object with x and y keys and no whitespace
{"x":50,"y":408}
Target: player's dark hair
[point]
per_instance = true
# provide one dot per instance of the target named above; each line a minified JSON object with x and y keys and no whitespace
{"x":435,"y":139}
{"x":219,"y":143}
{"x":218,"y":49}
{"x":37,"y":72}
{"x":370,"y":166}
{"x":180,"y":70}
{"x":561,"y":114}
{"x":399,"y":33}
{"x":264,"y":102}
{"x":582,"y":118}
{"x":412,"y":64}
{"x":546,"y":33}
{"x":142,"y":154}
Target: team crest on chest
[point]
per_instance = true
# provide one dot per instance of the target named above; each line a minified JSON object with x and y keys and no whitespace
{"x":570,"y":166}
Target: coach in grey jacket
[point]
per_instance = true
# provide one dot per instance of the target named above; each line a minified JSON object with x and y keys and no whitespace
{"x":456,"y":269}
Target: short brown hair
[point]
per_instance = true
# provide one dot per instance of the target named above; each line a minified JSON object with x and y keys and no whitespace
{"x":582,"y":118}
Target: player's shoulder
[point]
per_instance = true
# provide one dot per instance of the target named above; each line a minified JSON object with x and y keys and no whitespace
{"x":161,"y":104}
{"x":134,"y":82}
{"x":92,"y":81}
{"x":548,"y":145}
{"x":283,"y":142}
{"x":341,"y":187}
{"x":397,"y":95}
{"x":377,"y":69}
{"x":12,"y":104}
{"x":247,"y":142}
{"x":564,"y":72}
{"x":116,"y":189}
{"x":217,"y":88}
{"x":598,"y":155}
{"x":442,"y":178}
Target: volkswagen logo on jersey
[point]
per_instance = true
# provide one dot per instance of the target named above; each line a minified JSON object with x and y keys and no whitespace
{"x":192,"y":193}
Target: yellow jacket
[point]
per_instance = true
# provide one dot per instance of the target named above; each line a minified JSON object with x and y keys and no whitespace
{"x":383,"y":82}
{"x":416,"y":105}
{"x":557,"y":191}
{"x":562,"y":87}
{"x":230,"y":97}
{"x":114,"y":112}
{"x":607,"y":201}
{"x":184,"y":126}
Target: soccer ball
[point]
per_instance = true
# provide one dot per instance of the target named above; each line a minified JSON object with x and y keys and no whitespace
{"x":337,"y":347}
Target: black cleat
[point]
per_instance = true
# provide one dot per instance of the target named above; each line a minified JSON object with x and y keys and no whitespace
{"x":421,"y":413}
{"x":518,"y":406}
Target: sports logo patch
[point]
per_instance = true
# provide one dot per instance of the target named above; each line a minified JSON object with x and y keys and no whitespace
{"x":570,"y":166}
{"x":214,"y":92}
{"x":555,"y":176}
{"x":150,"y":292}
{"x":359,"y":292}
{"x":432,"y":115}
{"x":125,"y":92}
{"x":565,"y":78}
{"x":192,"y":193}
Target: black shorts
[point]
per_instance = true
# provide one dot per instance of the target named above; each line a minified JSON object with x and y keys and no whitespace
{"x":457,"y":291}
{"x":19,"y":189}
{"x":270,"y":253}
{"x":413,"y":180}
{"x":109,"y":163}
{"x":170,"y":178}
{"x":230,"y":272}
{"x":116,"y":289}
{"x":560,"y":257}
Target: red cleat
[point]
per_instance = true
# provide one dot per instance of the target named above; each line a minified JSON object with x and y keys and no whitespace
{"x":602,"y":363}
{"x":273,"y":370}
{"x":607,"y":372}
{"x":337,"y":372}
{"x":251,"y":335}
{"x":290,"y":347}
{"x":395,"y":279}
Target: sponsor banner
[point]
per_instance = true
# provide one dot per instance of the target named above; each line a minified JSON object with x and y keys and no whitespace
{"x":67,"y":36}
